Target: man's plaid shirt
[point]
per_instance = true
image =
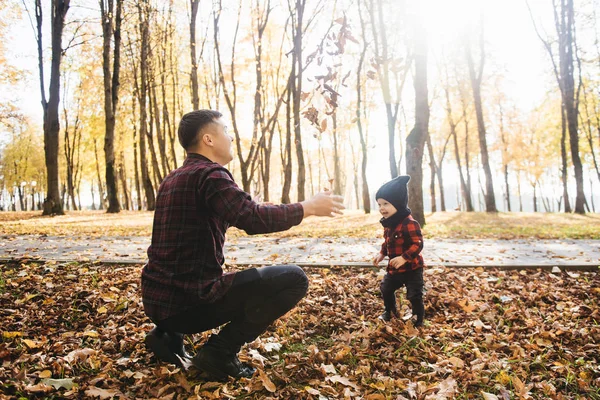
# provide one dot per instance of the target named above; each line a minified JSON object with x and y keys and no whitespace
{"x":195,"y":205}
{"x":404,"y":240}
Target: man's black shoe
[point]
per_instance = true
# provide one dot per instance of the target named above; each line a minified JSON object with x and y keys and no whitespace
{"x":221,"y":365}
{"x":167,"y":346}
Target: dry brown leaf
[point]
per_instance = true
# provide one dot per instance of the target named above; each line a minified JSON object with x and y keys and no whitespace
{"x":267,"y":383}
{"x":101,"y":393}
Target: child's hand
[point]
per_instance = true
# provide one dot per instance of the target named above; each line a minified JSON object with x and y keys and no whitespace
{"x":397,"y":262}
{"x":378,"y":258}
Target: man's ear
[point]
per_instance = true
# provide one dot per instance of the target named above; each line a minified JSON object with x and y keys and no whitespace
{"x":207,"y":139}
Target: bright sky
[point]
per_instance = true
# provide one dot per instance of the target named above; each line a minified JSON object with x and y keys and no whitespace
{"x":511,"y":45}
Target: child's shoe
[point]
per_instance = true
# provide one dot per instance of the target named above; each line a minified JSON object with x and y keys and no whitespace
{"x":418,"y":322}
{"x":387,"y":315}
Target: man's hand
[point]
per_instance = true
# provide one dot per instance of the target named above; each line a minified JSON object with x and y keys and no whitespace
{"x":323,"y":204}
{"x":397,"y":262}
{"x":378,"y":258}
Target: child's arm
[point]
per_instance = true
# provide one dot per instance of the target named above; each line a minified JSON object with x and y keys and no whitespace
{"x":378,"y":258}
{"x":414,"y":233}
{"x":397,"y":262}
{"x":382,"y":253}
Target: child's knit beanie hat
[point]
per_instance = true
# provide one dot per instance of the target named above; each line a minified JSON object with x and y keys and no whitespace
{"x":395,"y":192}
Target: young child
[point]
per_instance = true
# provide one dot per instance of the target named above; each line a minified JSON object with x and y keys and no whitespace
{"x":403,"y":244}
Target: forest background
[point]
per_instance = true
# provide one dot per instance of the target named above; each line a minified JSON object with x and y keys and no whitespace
{"x":487,"y":106}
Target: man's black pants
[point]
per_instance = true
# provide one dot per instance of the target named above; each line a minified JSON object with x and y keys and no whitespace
{"x":256,"y":298}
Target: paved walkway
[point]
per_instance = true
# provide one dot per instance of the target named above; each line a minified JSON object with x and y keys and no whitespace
{"x":575,"y":254}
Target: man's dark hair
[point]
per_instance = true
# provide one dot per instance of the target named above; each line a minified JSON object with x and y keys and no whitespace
{"x":192,"y":123}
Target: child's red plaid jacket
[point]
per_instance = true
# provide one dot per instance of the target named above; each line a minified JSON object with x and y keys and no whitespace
{"x":404,"y":240}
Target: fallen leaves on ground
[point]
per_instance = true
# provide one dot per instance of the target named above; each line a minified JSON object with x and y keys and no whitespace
{"x":76,"y":331}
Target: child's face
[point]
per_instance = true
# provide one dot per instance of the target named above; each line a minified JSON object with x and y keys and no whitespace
{"x":385,"y":208}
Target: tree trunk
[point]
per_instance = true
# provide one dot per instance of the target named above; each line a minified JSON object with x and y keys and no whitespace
{"x":98,"y":176}
{"x":337,"y":173}
{"x":431,"y":175}
{"x":146,"y":181}
{"x":564,"y":160}
{"x":490,"y":199}
{"x":160,"y":134}
{"x":194,"y":74}
{"x":565,"y":24}
{"x":166,"y":121}
{"x":111,"y":92}
{"x":535,"y":207}
{"x":297,"y":95}
{"x":21,"y":202}
{"x":286,"y":155}
{"x":175,"y":116}
{"x":504,"y":156}
{"x":375,"y":9}
{"x":123,"y":179}
{"x":589,"y":133}
{"x":415,"y":142}
{"x":52,"y":203}
{"x":246,"y":164}
{"x":359,"y":113}
{"x":71,"y":148}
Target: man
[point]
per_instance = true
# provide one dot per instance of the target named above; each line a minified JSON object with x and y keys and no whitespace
{"x":184,"y":289}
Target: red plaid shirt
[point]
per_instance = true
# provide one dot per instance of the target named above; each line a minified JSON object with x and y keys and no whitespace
{"x":195,"y":205}
{"x":404,"y":240}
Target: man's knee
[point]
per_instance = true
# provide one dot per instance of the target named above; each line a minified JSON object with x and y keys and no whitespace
{"x":288,"y":276}
{"x":302,"y":279}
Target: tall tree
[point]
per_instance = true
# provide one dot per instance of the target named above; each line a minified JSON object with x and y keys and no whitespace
{"x":465,"y":190}
{"x":476,"y":78}
{"x":360,"y":111}
{"x":296,"y":90}
{"x":564,"y":18}
{"x":143,"y":11}
{"x":415,"y":141}
{"x":111,"y":11}
{"x":563,"y":144}
{"x":248,"y":163}
{"x":72,"y":150}
{"x":52,"y":202}
{"x":505,"y":153}
{"x":194,"y":73}
{"x":392,"y":67}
